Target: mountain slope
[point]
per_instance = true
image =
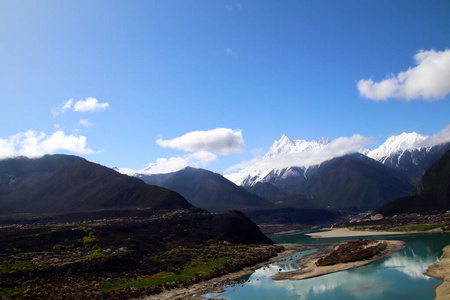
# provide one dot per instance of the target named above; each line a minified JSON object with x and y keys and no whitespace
{"x":432,"y":194}
{"x":409,"y":153}
{"x":207,"y":190}
{"x":396,"y":144}
{"x":63,"y":183}
{"x":352,"y":181}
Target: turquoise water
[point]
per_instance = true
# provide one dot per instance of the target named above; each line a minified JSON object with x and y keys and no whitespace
{"x":397,"y":277}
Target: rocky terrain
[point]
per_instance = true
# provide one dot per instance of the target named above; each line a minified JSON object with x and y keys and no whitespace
{"x":126,"y":258}
{"x":344,"y":256}
{"x":352,"y":251}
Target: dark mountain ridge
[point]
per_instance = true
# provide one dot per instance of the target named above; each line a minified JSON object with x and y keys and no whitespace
{"x":64,"y":183}
{"x":207,"y":190}
{"x":431,"y":195}
{"x":64,"y":188}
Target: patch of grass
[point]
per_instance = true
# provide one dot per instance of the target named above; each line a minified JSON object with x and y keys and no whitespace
{"x":418,"y":227}
{"x":8,"y":292}
{"x":356,"y":228}
{"x":16,"y":266}
{"x":194,"y":269}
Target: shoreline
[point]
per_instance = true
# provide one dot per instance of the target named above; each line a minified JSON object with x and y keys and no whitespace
{"x":345,"y":232}
{"x":441,"y":270}
{"x":214,"y":285}
{"x":309,"y":269}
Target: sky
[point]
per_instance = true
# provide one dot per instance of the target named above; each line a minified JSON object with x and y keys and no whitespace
{"x":211,"y":84}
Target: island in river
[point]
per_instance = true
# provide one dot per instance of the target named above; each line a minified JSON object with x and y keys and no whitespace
{"x":344,"y":256}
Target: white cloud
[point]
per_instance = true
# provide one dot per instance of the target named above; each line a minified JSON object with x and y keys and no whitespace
{"x":338,"y":147}
{"x":6,"y":148}
{"x":173,"y":164}
{"x":441,"y":137}
{"x":89,"y":104}
{"x":429,"y":80}
{"x":220,"y":141}
{"x":35,"y":144}
{"x":85,"y":123}
{"x":61,"y":109}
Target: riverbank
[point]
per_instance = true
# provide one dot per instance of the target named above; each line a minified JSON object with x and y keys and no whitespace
{"x":345,"y":232}
{"x":441,"y":270}
{"x":309,"y":269}
{"x":214,"y":285}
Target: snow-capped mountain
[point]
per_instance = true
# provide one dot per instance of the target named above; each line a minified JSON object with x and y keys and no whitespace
{"x":273,"y":164}
{"x":409,"y":153}
{"x":397,"y":145}
{"x":287,"y":145}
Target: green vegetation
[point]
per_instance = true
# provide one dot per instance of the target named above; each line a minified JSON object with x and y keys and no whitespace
{"x":90,"y":242}
{"x":356,"y":228}
{"x":417,"y":227}
{"x":20,"y":265}
{"x":193,"y":265}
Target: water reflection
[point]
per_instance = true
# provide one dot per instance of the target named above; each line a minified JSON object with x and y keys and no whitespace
{"x":397,"y":277}
{"x":410,"y":263}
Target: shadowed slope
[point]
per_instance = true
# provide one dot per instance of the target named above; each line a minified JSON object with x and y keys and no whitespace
{"x":63,"y":183}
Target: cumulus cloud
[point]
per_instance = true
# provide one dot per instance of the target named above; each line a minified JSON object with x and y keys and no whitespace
{"x":428,"y":80}
{"x":85,"y":123}
{"x":173,"y":164}
{"x":35,"y":144}
{"x":223,"y":141}
{"x":338,"y":147}
{"x":89,"y":104}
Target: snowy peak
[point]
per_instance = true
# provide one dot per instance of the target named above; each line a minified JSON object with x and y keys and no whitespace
{"x":286,"y":145}
{"x":125,"y":171}
{"x":272,"y":165}
{"x":396,"y":144}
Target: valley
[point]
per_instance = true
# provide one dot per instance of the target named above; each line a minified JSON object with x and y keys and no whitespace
{"x":75,"y":228}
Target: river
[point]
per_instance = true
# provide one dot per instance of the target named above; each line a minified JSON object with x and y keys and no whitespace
{"x":399,"y":276}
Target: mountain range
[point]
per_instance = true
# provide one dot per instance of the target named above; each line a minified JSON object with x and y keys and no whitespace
{"x":65,"y":188}
{"x":357,"y":181}
{"x":351,"y":182}
{"x":64,"y":183}
{"x":405,"y":154}
{"x":431,"y":195}
{"x":360,"y":180}
{"x":408,"y":153}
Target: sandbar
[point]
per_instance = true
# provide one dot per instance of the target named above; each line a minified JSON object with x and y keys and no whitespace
{"x":441,"y":270}
{"x":309,"y":269}
{"x":345,"y":232}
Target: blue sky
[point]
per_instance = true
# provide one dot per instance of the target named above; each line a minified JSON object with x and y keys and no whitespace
{"x":148,"y":72}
